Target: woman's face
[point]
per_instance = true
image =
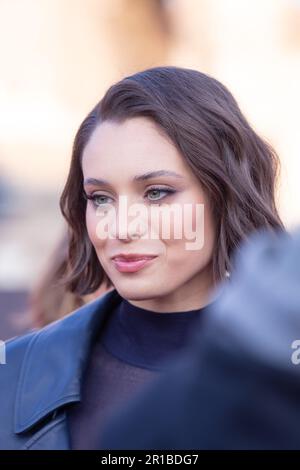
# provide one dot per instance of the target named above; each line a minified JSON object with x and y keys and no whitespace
{"x":179,"y":277}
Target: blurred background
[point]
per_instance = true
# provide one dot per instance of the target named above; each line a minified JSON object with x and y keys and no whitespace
{"x":57,"y":59}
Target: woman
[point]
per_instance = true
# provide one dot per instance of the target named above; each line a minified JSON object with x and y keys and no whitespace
{"x":180,"y":134}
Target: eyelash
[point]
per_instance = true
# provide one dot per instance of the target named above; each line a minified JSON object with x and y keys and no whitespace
{"x":93,"y":198}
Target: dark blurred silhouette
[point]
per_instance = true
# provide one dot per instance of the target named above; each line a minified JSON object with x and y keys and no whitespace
{"x":238,"y":387}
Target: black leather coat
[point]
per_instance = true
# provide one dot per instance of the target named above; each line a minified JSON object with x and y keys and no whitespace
{"x":43,"y":375}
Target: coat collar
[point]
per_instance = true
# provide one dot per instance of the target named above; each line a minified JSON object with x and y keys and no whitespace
{"x":53,"y":365}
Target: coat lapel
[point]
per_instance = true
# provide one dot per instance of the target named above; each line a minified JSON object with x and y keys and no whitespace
{"x":52,"y":370}
{"x":54,"y":435}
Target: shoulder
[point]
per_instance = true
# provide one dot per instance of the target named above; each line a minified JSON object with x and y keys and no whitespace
{"x":43,"y":368}
{"x":13,"y":351}
{"x":12,"y":355}
{"x":70,"y":333}
{"x":76,"y":321}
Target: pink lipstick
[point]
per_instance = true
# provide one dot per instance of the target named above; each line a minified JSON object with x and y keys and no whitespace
{"x":133,"y":263}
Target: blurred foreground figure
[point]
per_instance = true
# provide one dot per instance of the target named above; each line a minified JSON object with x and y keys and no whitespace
{"x":238,"y":387}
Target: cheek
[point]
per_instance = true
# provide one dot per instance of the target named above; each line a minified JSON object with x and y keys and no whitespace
{"x":91,"y":225}
{"x":201,"y":228}
{"x":180,"y":226}
{"x":100,"y":226}
{"x":202,"y":221}
{"x":194,"y":219}
{"x":199,"y":217}
{"x":209,"y":228}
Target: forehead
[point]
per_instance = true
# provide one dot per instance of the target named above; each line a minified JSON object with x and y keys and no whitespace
{"x":133,"y":146}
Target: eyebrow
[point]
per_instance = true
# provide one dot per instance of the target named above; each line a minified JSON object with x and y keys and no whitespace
{"x":136,"y":178}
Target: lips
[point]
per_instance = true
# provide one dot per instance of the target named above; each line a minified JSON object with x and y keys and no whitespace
{"x":132,"y":263}
{"x":132,"y":257}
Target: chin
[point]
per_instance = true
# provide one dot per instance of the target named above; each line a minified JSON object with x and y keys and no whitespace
{"x":136,"y":291}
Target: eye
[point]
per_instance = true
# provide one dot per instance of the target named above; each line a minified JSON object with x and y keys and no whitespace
{"x":98,"y":199}
{"x":157,"y":191}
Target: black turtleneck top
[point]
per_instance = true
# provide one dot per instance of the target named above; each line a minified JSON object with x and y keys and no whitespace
{"x":134,"y":348}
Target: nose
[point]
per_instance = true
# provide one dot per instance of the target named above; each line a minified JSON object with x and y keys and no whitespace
{"x":132,"y":220}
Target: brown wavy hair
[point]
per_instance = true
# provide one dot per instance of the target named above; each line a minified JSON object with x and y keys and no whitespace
{"x":237,"y":168}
